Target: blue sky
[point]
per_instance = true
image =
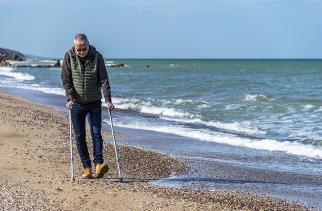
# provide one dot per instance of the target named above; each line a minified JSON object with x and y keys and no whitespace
{"x":166,"y":28}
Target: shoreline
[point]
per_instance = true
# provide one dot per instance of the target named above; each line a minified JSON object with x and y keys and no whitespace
{"x":36,"y":171}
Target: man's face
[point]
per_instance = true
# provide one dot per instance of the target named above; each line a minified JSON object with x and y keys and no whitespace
{"x":82,"y":49}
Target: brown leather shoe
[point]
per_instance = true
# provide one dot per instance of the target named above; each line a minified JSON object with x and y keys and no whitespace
{"x":100,"y":170}
{"x":87,"y":173}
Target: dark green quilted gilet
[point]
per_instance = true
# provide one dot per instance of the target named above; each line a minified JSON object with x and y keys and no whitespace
{"x":85,"y":79}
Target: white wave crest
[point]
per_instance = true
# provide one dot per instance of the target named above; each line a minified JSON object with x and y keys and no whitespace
{"x":7,"y":71}
{"x":237,"y":127}
{"x":307,"y":107}
{"x":146,"y":106}
{"x":37,"y":87}
{"x":232,"y":127}
{"x":203,"y":106}
{"x":180,"y":101}
{"x":48,"y":90}
{"x":171,"y":114}
{"x":318,"y":109}
{"x":232,"y":106}
{"x":159,"y":111}
{"x":249,"y":97}
{"x":185,"y":101}
{"x":293,"y":148}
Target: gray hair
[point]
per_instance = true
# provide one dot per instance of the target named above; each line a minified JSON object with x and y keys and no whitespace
{"x":80,"y":39}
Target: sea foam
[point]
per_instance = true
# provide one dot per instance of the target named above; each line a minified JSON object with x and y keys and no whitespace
{"x":229,"y":127}
{"x":8,"y":71}
{"x":176,"y":115}
{"x":293,"y":148}
{"x":37,"y":87}
{"x":250,"y":97}
{"x":47,"y":90}
{"x":147,"y":107}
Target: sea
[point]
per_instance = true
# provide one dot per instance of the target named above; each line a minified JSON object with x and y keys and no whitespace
{"x":262,"y":115}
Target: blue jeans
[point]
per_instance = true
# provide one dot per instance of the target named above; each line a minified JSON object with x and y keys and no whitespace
{"x":78,"y":113}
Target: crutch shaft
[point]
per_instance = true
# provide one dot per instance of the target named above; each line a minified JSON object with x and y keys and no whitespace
{"x":115,"y":146}
{"x":72,"y":178}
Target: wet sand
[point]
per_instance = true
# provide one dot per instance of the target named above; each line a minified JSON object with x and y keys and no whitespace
{"x":34,"y":163}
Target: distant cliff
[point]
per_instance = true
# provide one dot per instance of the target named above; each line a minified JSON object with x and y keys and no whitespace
{"x":7,"y":54}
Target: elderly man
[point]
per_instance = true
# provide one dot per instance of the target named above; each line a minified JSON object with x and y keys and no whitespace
{"x":84,"y":75}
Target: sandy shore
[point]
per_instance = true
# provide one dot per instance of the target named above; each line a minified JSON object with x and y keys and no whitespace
{"x":34,"y":163}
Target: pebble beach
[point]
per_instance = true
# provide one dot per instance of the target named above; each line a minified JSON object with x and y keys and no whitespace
{"x":34,"y":157}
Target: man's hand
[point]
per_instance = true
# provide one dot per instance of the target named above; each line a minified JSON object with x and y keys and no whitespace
{"x":109,"y":106}
{"x":69,"y":105}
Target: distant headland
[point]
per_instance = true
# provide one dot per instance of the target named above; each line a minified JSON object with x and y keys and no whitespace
{"x":8,"y":54}
{"x":14,"y":58}
{"x":10,"y":57}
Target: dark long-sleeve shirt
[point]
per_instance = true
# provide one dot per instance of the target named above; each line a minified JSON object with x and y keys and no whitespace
{"x":66,"y":76}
